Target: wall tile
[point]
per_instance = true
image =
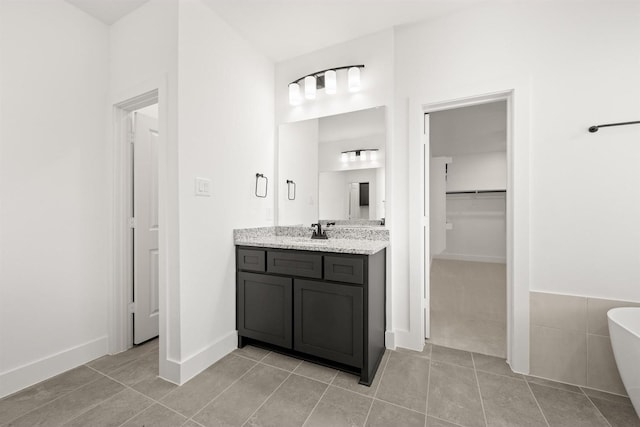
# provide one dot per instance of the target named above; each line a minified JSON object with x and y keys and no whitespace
{"x":558,"y":354}
{"x":597,"y":314}
{"x":565,"y":312}
{"x":602,"y":372}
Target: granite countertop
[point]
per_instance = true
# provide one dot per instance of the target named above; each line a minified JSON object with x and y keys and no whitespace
{"x":358,"y":241}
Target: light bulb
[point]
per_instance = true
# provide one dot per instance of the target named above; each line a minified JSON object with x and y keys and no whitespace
{"x":310,"y":87}
{"x":344,"y":157}
{"x":353,"y":76}
{"x":363,"y":156}
{"x":294,"y":94}
{"x":373,"y":155}
{"x":352,"y":156}
{"x":330,"y":82}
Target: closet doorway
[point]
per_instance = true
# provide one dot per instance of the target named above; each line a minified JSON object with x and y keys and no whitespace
{"x":467,"y":193}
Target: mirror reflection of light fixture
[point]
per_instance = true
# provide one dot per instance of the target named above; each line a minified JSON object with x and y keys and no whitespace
{"x":359,"y":154}
{"x":353,"y":76}
{"x":330,"y":82}
{"x":325,"y":79}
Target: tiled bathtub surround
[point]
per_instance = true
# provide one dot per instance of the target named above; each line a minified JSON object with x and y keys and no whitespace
{"x":358,"y":240}
{"x":570,"y":340}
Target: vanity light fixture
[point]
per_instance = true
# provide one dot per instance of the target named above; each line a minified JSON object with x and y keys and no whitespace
{"x":324,"y":79}
{"x":359,"y":154}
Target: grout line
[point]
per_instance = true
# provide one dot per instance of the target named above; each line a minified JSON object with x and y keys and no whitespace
{"x":194,"y":422}
{"x":426,"y":403}
{"x":268,"y":397}
{"x":597,"y":409}
{"x":368,"y":412}
{"x":227,"y":388}
{"x":446,"y":421}
{"x":475,"y":374}
{"x":316,"y":405}
{"x":535,"y":399}
{"x":384,"y":369}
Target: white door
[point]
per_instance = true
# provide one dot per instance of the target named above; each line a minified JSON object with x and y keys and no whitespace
{"x":145,"y":233}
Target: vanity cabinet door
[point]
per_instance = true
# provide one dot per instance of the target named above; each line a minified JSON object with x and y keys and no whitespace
{"x":264,"y":308}
{"x":328,"y":321}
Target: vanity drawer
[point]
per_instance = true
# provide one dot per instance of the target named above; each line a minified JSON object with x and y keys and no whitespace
{"x":251,"y":260}
{"x":295,"y":264}
{"x":344,"y":269}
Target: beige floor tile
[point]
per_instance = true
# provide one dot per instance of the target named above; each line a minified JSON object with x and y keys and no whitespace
{"x":290,"y":405}
{"x":616,"y":413}
{"x":404,"y":381}
{"x":199,"y":391}
{"x":154,"y":387}
{"x":69,"y":406}
{"x":454,"y":395}
{"x":20,"y":403}
{"x":384,"y":414}
{"x":606,"y":396}
{"x":435,"y":422}
{"x":351,"y":382}
{"x":509,"y":402}
{"x":338,"y":408}
{"x":242,"y":399}
{"x":553,"y":384}
{"x":451,"y":355}
{"x":255,"y":353}
{"x":113,"y":411}
{"x":281,"y":361}
{"x":144,"y":367}
{"x":468,"y":333}
{"x":494,"y":365}
{"x":564,"y":408}
{"x":110,"y":363}
{"x":156,"y":416}
{"x":316,"y":372}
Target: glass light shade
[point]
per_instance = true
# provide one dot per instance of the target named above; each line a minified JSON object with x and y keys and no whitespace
{"x":330,"y":82}
{"x":344,"y":157}
{"x":373,"y":155}
{"x":363,"y":156}
{"x":353,"y":76}
{"x":352,"y":156}
{"x":294,"y":94}
{"x":310,"y":87}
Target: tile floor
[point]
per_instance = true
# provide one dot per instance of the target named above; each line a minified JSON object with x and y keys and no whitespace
{"x":439,"y":387}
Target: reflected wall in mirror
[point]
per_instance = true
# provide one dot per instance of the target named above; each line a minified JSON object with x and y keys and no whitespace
{"x":337,"y":163}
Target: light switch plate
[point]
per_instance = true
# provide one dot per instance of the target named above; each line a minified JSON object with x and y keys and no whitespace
{"x":203,"y":187}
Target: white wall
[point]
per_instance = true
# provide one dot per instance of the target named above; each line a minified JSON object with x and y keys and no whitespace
{"x":479,"y":231}
{"x":298,"y":161}
{"x":53,"y":212}
{"x":584,"y":202}
{"x":483,"y":171}
{"x":226,"y":134}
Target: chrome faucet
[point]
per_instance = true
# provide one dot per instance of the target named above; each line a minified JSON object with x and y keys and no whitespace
{"x":319,"y":233}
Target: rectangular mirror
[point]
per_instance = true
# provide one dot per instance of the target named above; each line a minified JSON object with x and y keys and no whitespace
{"x":337,"y":165}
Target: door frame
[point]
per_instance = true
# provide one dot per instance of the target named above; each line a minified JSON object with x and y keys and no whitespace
{"x":517,"y":97}
{"x":121,"y":336}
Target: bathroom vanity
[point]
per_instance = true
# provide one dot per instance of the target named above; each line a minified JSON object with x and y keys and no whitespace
{"x":322,"y":301}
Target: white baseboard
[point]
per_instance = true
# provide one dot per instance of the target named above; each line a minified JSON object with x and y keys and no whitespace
{"x":408,"y":340}
{"x":475,"y":258}
{"x":31,"y":373}
{"x":390,"y":340}
{"x":181,"y":372}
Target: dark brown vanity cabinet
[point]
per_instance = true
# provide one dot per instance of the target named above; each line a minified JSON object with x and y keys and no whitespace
{"x":324,"y":307}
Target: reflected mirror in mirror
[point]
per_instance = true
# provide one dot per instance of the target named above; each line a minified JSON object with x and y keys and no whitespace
{"x":338,"y":165}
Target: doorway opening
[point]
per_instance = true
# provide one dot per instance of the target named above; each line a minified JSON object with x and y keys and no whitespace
{"x":467,"y":202}
{"x":136,"y":294}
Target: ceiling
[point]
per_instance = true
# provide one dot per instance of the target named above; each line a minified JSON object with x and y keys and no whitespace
{"x":107,"y":11}
{"x":284,"y":29}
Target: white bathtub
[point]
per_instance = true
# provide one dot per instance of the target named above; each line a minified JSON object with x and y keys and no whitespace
{"x":624,"y":329}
